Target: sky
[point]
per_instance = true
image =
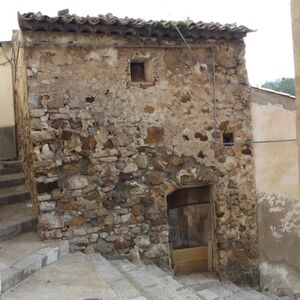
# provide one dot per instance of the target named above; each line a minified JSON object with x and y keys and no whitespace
{"x":269,"y":50}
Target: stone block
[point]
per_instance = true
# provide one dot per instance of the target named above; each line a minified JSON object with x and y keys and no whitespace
{"x":51,"y":221}
{"x":154,"y":135}
{"x":47,"y":206}
{"x":104,"y":247}
{"x":76,"y":182}
{"x":130,"y":167}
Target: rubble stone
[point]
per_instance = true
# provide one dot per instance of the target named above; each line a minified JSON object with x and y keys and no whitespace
{"x":77,"y":182}
{"x":103,"y":153}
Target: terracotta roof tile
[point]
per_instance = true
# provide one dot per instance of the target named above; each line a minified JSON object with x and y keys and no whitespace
{"x":109,"y":24}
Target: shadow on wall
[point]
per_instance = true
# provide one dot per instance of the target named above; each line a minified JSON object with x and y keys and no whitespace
{"x":279,"y":243}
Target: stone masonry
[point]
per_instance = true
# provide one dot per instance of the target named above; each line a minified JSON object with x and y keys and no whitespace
{"x":103,"y":151}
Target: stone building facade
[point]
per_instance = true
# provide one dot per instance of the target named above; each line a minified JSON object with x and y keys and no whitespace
{"x":116,"y":114}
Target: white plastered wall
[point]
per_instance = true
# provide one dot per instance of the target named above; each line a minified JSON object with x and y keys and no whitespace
{"x":7,"y":118}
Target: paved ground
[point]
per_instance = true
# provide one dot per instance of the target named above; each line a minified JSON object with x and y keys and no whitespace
{"x":70,"y":278}
{"x":79,"y":276}
{"x":13,"y":250}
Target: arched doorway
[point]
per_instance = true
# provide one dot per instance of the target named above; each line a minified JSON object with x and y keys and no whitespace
{"x":190,"y":229}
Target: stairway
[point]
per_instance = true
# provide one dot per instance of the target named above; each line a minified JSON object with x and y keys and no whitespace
{"x":15,"y":205}
{"x":91,"y":276}
{"x":157,"y":284}
{"x":21,"y":251}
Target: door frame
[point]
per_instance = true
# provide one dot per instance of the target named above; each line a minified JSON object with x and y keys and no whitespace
{"x":211,"y":247}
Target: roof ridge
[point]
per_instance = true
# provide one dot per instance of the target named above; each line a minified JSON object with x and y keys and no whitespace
{"x":65,"y":22}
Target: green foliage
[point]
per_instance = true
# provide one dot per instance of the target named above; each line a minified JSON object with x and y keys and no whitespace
{"x":183,"y":26}
{"x":284,"y":85}
{"x":146,"y":30}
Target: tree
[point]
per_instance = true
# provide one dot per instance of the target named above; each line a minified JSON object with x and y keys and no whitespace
{"x":284,"y":85}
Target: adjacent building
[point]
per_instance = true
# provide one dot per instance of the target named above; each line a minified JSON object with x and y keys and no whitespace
{"x":277,"y":188}
{"x":7,"y":113}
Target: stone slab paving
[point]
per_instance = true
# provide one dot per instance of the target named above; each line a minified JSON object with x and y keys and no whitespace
{"x":154,"y":286}
{"x":23,"y":268}
{"x":70,"y":278}
{"x":209,"y":287}
{"x":14,"y":250}
{"x":92,"y":277}
{"x":119,"y":283}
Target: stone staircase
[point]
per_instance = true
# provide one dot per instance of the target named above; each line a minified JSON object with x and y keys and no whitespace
{"x":15,"y":205}
{"x":157,"y":284}
{"x":21,"y":251}
{"x":92,"y":276}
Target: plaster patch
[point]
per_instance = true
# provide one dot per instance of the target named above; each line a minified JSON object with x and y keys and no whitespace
{"x":280,"y":277}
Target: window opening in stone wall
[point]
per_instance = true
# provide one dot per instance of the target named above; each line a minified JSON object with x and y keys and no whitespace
{"x":228,"y":139}
{"x":190,"y":230}
{"x":137,"y":71}
{"x":141,"y":70}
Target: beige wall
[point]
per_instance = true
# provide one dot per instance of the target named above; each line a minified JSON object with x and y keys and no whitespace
{"x":6,"y":89}
{"x":274,"y":118}
{"x":276,"y":176}
{"x":295,"y":11}
{"x":7,"y":115}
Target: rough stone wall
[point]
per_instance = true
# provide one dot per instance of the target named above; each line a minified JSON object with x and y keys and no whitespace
{"x":277,"y":185}
{"x":107,"y":151}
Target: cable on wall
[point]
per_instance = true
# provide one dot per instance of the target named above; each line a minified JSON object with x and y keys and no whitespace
{"x":195,"y":58}
{"x":215,"y":142}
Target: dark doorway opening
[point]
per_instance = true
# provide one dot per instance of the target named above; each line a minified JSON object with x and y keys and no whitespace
{"x":190,"y":229}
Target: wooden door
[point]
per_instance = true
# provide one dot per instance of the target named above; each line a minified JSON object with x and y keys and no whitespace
{"x":189,"y":214}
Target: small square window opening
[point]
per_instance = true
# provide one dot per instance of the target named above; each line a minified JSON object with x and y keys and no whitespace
{"x":137,"y":71}
{"x":228,"y":139}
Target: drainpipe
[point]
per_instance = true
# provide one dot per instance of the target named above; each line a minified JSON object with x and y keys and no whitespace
{"x":295,"y":13}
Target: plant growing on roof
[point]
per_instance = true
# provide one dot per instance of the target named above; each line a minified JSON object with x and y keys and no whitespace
{"x":146,"y":30}
{"x":182,"y":25}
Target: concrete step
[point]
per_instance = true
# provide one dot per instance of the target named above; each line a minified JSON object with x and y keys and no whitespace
{"x":72,"y":277}
{"x":208,"y":286}
{"x":13,"y":194}
{"x":12,"y":179}
{"x":154,"y":287}
{"x":10,"y":166}
{"x":167,"y":279}
{"x":16,"y":219}
{"x":264,"y":296}
{"x":247,"y":295}
{"x":220,"y":288}
{"x":121,"y":285}
{"x":18,"y":265}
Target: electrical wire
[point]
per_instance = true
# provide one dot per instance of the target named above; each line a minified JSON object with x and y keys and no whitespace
{"x":254,"y":142}
{"x":194,"y":57}
{"x":215,"y":142}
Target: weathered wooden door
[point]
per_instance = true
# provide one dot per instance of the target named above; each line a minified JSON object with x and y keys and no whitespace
{"x":190,"y":235}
